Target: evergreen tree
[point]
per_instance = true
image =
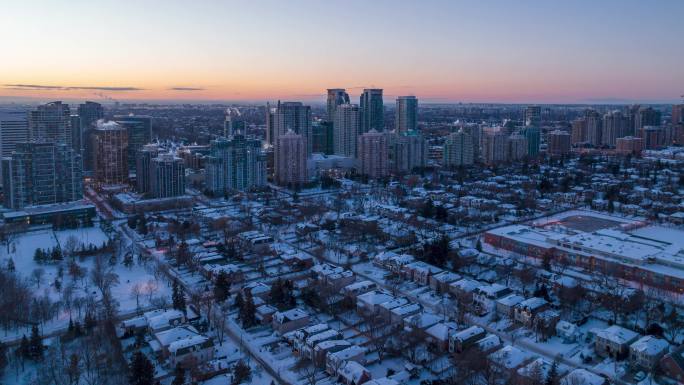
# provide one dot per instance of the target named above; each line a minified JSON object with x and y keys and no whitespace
{"x":35,"y":344}
{"x":239,"y":301}
{"x":478,"y":246}
{"x":89,"y":321}
{"x":3,"y":357}
{"x":222,"y":287}
{"x":39,"y":255}
{"x":10,"y":265}
{"x":141,"y":370}
{"x":178,"y":297}
{"x":24,"y":348}
{"x":179,"y":376}
{"x":552,"y":376}
{"x":56,"y":254}
{"x":247,"y":313}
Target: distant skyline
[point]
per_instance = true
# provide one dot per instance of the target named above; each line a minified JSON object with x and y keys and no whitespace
{"x":494,"y":51}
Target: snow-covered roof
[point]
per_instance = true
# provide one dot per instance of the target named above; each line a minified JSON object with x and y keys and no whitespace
{"x":441,"y":330}
{"x":532,"y":303}
{"x":650,"y":345}
{"x":290,"y":315}
{"x":166,"y":337}
{"x":353,"y":371}
{"x":186,"y":342}
{"x":617,"y":334}
{"x":511,"y":300}
{"x":375,"y":297}
{"x":510,"y":357}
{"x":468,"y":333}
{"x":582,"y":376}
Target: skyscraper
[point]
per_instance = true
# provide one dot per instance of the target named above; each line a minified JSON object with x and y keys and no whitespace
{"x":559,"y":142}
{"x":167,"y":173}
{"x":346,"y":129}
{"x":373,"y":156}
{"x":38,"y":173}
{"x":295,"y":117}
{"x":532,"y":116}
{"x":235,"y":164}
{"x":517,"y":147}
{"x":110,"y":153}
{"x":336,"y":97}
{"x":372,"y":111}
{"x":290,"y":160}
{"x":406,"y":114}
{"x":322,"y":137}
{"x":89,"y":113}
{"x":139,"y":133}
{"x":646,"y":116}
{"x":13,"y":130}
{"x":579,"y":131}
{"x":234,"y":124}
{"x":143,"y":163}
{"x":677,"y":114}
{"x":533,"y":136}
{"x":51,"y":123}
{"x":270,"y":123}
{"x":593,"y":121}
{"x":458,"y":149}
{"x":615,"y":125}
{"x":409,"y":151}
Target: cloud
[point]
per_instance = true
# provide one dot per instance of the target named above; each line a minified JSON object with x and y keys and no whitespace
{"x":37,"y":87}
{"x":186,"y":89}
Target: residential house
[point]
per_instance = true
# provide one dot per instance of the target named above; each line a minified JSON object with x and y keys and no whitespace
{"x":462,"y":340}
{"x":614,"y":341}
{"x":526,"y":311}
{"x":289,"y":320}
{"x":647,"y":351}
{"x":484,"y":297}
{"x":505,"y":305}
{"x":583,"y":377}
{"x":369,"y":303}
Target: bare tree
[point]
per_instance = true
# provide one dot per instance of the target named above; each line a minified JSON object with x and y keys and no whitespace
{"x":307,"y":369}
{"x":37,"y":275}
{"x":103,"y":276}
{"x":136,"y":292}
{"x":220,"y":324}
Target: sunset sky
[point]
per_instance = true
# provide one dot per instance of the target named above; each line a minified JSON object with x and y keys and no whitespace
{"x":441,"y":51}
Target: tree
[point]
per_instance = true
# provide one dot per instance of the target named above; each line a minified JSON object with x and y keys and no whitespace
{"x":3,"y":357}
{"x":247,"y":312}
{"x":241,"y":372}
{"x":552,"y":375}
{"x":10,"y":265}
{"x":178,"y":297}
{"x":179,"y":376}
{"x":307,"y":369}
{"x":141,"y":371}
{"x":478,"y":246}
{"x":73,"y":371}
{"x":35,"y":347}
{"x":221,"y":287}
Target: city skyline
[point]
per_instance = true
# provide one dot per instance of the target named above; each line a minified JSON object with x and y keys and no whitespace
{"x":498,"y":52}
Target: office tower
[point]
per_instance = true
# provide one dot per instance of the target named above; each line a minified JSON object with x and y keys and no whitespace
{"x":270,"y":123}
{"x":646,"y":116}
{"x":615,"y":125}
{"x":558,"y":142}
{"x":39,"y":173}
{"x":458,"y":149}
{"x":408,"y":151}
{"x":109,"y":142}
{"x":578,"y":133}
{"x":533,"y":136}
{"x":234,"y":124}
{"x":13,"y":130}
{"x":346,"y":129}
{"x":475,"y":131}
{"x":372,"y":111}
{"x":51,"y":123}
{"x":76,"y":133}
{"x":336,"y":97}
{"x":323,"y":137}
{"x":373,"y":158}
{"x":532,"y":116}
{"x":593,"y":121}
{"x":517,"y":147}
{"x":89,"y":113}
{"x":406,"y":114}
{"x":295,"y":117}
{"x":143,"y":163}
{"x":167,"y":176}
{"x":629,"y":145}
{"x":290,"y":160}
{"x":235,"y":164}
{"x":494,"y":147}
{"x":677,"y":114}
{"x":139,"y":131}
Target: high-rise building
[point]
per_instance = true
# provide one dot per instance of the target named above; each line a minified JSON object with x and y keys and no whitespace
{"x":235,"y":164}
{"x":295,"y":117}
{"x":408,"y":151}
{"x":76,"y":133}
{"x":646,"y":116}
{"x":593,"y":121}
{"x":13,"y":130}
{"x":234,"y":124}
{"x":51,"y":123}
{"x":653,"y":136}
{"x":88,"y":113}
{"x":615,"y":125}
{"x":139,"y":131}
{"x":517,"y":147}
{"x":406,"y":114}
{"x":532,"y":116}
{"x":38,"y":173}
{"x":558,"y":142}
{"x":579,"y":131}
{"x":270,"y":123}
{"x":323,"y":137}
{"x":346,"y":129}
{"x":494,"y":147}
{"x":336,"y":97}
{"x":458,"y":150}
{"x":629,"y":145}
{"x":677,"y":114}
{"x":167,"y":176}
{"x":533,"y":136}
{"x":372,"y":111}
{"x":143,"y":163}
{"x":373,"y":157}
{"x":110,"y":153}
{"x":290,"y":160}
